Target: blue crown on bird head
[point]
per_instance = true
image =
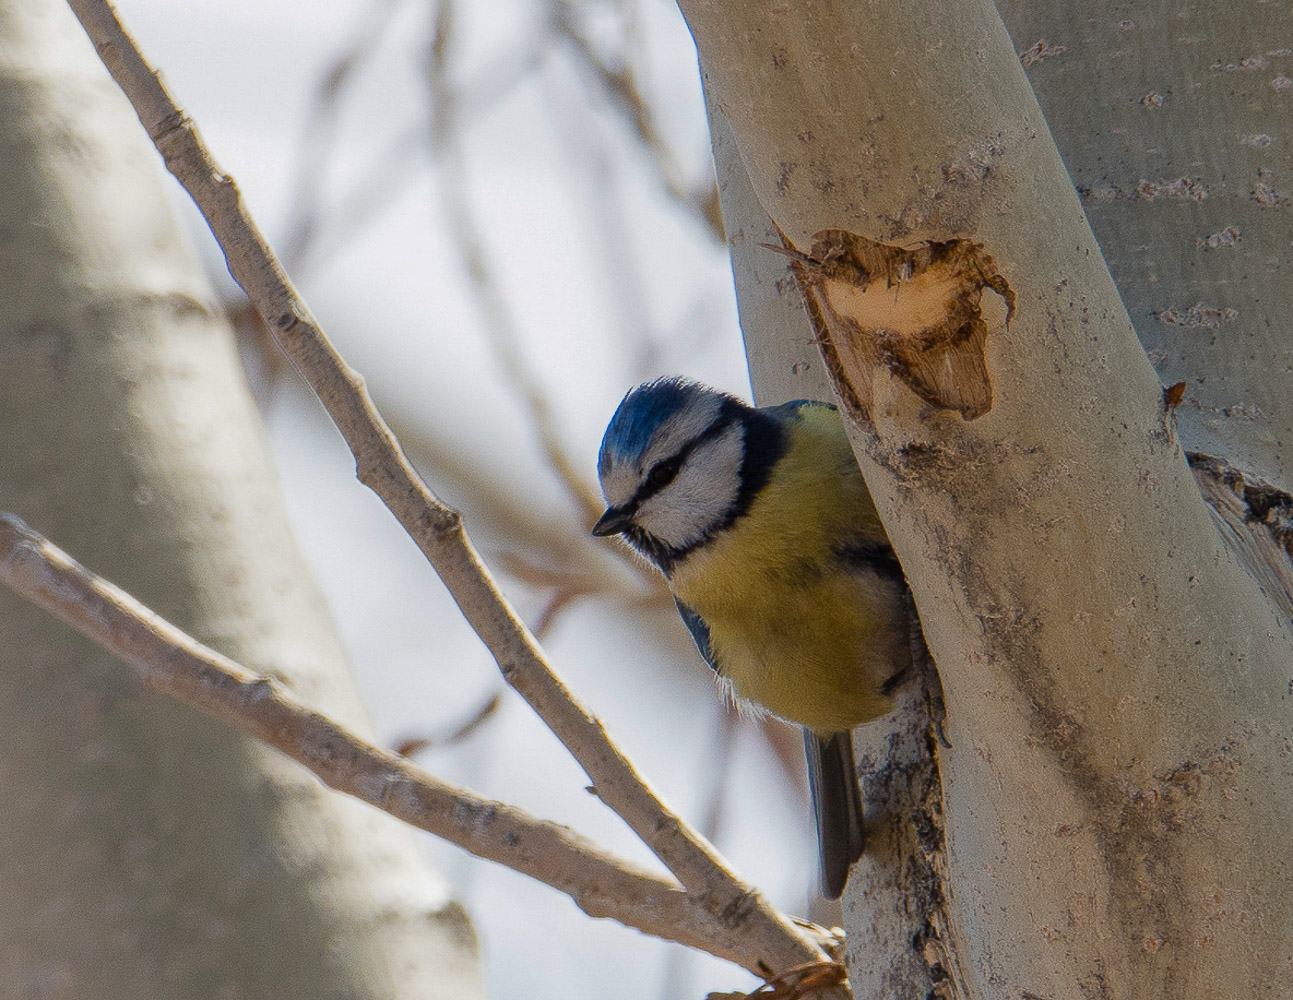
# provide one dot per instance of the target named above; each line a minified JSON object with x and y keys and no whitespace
{"x":640,"y":414}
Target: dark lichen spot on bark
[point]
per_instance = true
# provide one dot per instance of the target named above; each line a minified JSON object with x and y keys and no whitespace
{"x":783,"y":178}
{"x":914,"y":312}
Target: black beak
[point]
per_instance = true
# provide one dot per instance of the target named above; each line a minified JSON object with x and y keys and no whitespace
{"x":614,"y":521}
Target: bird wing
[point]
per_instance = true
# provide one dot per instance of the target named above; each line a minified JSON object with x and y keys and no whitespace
{"x":699,"y":633}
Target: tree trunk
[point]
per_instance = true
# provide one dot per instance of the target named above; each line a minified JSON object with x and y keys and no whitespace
{"x":1117,"y":683}
{"x":1181,"y":151}
{"x":146,"y":851}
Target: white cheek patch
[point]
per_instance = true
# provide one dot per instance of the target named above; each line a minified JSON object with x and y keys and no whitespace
{"x":701,"y":496}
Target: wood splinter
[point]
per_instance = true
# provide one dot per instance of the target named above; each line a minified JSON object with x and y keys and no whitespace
{"x":914,"y":312}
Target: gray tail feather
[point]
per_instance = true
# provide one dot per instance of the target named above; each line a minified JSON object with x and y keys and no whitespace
{"x":837,"y":806}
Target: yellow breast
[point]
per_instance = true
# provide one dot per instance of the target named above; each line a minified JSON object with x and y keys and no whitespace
{"x":791,"y":627}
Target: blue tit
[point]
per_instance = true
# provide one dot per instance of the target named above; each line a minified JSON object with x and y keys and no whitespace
{"x":772,"y":547}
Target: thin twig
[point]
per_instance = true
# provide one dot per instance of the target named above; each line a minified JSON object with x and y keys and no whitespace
{"x":435,"y":528}
{"x":320,"y":135}
{"x":718,"y":758}
{"x":391,"y":171}
{"x":455,"y":204}
{"x":393,"y":168}
{"x":610,"y":232}
{"x":411,"y":746}
{"x":619,"y":84}
{"x":173,"y":663}
{"x":513,"y":522}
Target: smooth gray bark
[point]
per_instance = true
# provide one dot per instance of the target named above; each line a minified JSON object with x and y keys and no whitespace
{"x":1176,"y":124}
{"x":146,"y":851}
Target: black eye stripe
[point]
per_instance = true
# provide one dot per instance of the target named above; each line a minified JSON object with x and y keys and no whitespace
{"x":671,"y":465}
{"x":661,"y":475}
{"x":664,"y":472}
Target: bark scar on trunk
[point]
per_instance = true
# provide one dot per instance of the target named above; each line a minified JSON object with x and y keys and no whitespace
{"x":914,"y":312}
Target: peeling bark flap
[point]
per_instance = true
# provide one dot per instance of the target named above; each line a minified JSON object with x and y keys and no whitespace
{"x":911,"y":311}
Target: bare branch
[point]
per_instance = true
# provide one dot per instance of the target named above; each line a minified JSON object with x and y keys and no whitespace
{"x":436,"y":529}
{"x":173,"y":663}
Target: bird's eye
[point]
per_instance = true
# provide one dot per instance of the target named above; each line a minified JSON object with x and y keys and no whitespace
{"x":662,"y":475}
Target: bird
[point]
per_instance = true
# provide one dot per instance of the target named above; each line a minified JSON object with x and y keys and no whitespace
{"x":770,"y":542}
